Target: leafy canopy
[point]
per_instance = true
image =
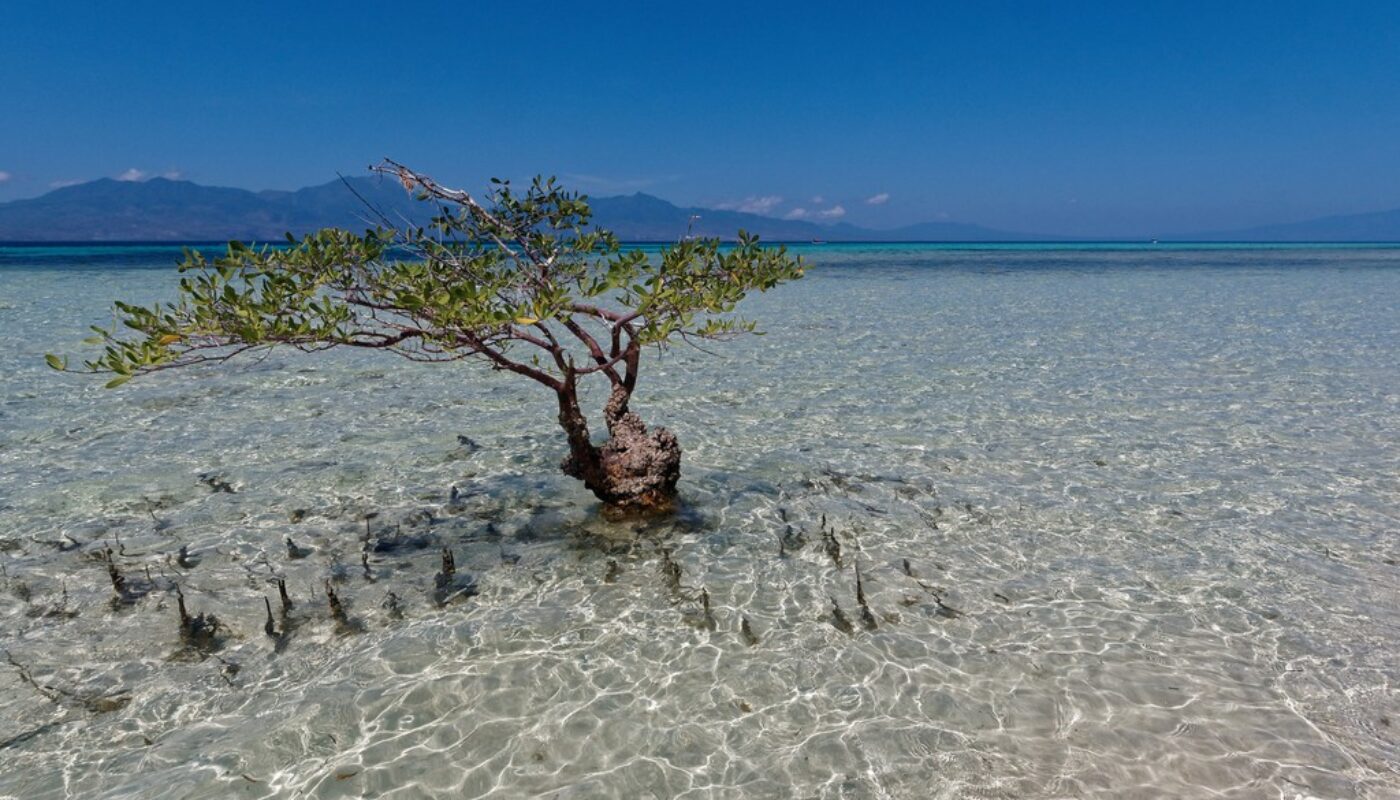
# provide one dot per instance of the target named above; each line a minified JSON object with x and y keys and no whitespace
{"x":522,"y":281}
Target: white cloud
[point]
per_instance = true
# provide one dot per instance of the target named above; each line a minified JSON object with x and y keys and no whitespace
{"x":5,"y":176}
{"x":835,"y":212}
{"x":754,"y":204}
{"x":818,"y":199}
{"x":132,"y":174}
{"x":172,"y":174}
{"x":61,"y":184}
{"x":878,"y":200}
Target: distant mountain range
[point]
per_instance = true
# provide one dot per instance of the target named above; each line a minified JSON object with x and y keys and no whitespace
{"x":644,"y":218}
{"x":169,"y":210}
{"x":1376,"y":226}
{"x":172,"y":210}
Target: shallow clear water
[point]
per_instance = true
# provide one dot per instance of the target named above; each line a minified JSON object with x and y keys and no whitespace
{"x":1150,"y":500}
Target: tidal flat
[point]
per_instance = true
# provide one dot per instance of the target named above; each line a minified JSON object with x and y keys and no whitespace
{"x":993,"y":522}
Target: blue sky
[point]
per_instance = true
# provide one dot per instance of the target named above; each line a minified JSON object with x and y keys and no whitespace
{"x":1111,"y":118}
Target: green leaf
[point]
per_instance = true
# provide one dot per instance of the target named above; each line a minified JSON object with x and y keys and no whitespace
{"x":470,"y":278}
{"x":56,"y":362}
{"x":118,"y":381}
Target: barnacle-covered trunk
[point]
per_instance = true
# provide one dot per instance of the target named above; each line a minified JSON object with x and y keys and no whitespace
{"x":635,"y":470}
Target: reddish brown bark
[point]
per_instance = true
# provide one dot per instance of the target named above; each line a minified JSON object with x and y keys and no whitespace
{"x":635,"y":470}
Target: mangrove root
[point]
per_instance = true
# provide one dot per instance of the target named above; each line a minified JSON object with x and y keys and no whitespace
{"x":839,"y":620}
{"x":200,"y":632}
{"x":746,"y":630}
{"x":296,"y":552}
{"x":866,"y":617}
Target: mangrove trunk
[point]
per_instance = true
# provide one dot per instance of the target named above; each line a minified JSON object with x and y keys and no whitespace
{"x":635,"y":470}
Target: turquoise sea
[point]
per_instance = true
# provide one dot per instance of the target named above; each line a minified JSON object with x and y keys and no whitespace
{"x":1127,"y":519}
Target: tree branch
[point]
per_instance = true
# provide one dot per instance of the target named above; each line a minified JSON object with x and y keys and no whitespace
{"x":594,"y":350}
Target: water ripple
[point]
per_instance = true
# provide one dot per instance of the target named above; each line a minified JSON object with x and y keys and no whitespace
{"x":1125,"y":525}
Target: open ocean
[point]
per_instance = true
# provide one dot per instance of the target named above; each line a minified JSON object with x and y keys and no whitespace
{"x":1127,"y":520}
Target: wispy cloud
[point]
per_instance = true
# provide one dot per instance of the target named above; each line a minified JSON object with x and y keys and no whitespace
{"x":753,"y":204}
{"x":5,"y":177}
{"x":818,"y":200}
{"x":835,"y":212}
{"x":878,"y":200}
{"x":61,"y":184}
{"x":133,"y":175}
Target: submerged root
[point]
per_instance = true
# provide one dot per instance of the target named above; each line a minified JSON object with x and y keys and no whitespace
{"x":344,"y":624}
{"x":283,"y":634}
{"x":337,"y":608}
{"x":217,"y":483}
{"x":124,"y":591}
{"x":833,"y":549}
{"x":203,"y":633}
{"x":839,"y":620}
{"x":746,"y":630}
{"x":184,"y":560}
{"x":670,"y":571}
{"x":942,"y":609}
{"x":297,"y":552}
{"x":392,"y":606}
{"x":268,"y":627}
{"x":867,"y":618}
{"x":92,"y":702}
{"x":707,"y":616}
{"x":448,"y":585}
{"x":399,"y":542}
